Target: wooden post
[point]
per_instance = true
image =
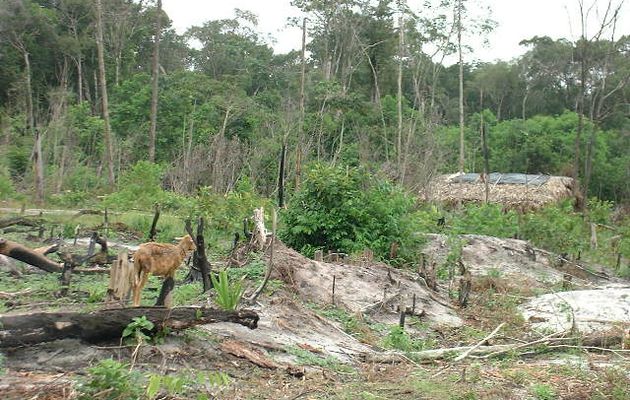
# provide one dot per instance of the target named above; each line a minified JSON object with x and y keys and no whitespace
{"x":333,"y":289}
{"x":319,"y":255}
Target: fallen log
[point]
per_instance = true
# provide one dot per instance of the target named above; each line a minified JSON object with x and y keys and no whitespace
{"x":24,"y":254}
{"x":26,"y":329}
{"x":23,"y":221}
{"x":454,"y":354}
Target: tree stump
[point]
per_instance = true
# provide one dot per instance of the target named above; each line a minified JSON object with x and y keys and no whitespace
{"x":121,"y":279}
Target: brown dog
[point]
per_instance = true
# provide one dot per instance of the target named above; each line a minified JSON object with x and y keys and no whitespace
{"x":159,"y":259}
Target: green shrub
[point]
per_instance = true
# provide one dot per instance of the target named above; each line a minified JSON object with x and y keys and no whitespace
{"x":225,"y":212}
{"x":556,"y":228}
{"x":348,"y":210}
{"x":140,"y":188}
{"x":485,"y":219}
{"x":6,"y":186}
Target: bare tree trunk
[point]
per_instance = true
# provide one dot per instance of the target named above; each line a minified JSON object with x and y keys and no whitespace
{"x":461,"y":86}
{"x":298,"y":149}
{"x":109,"y":150}
{"x":401,"y":40}
{"x":155,"y":76}
{"x":484,"y":144}
{"x":38,"y":164}
{"x":80,"y":78}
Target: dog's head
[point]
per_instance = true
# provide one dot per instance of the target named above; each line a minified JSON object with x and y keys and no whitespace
{"x":186,"y":243}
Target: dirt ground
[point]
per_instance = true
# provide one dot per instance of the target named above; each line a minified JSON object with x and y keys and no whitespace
{"x":313,"y":343}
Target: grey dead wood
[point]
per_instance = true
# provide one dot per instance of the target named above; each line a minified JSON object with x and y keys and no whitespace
{"x":96,"y":326}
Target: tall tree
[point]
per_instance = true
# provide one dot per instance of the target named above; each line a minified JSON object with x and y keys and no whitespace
{"x":109,"y":148}
{"x":154,"y":81}
{"x":461,"y":84}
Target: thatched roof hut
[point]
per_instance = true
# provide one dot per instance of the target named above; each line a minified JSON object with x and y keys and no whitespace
{"x":512,"y":190}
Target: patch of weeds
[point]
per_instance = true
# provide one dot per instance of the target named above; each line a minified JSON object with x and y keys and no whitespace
{"x":2,"y":367}
{"x":518,"y":376}
{"x":494,"y":273}
{"x":353,"y":324}
{"x":464,"y":396}
{"x":543,"y":391}
{"x":196,"y":333}
{"x":431,"y":388}
{"x":615,"y":383}
{"x":398,"y":339}
{"x":110,"y":379}
{"x":190,"y":293}
{"x":305,"y":357}
{"x":254,"y":270}
{"x":185,"y":384}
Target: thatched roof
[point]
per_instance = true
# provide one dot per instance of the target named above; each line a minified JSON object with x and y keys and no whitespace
{"x":512,"y":190}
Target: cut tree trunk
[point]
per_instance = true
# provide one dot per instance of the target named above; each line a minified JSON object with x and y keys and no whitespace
{"x":31,"y":257}
{"x":260,"y":233}
{"x":120,"y":279}
{"x":27,"y":329}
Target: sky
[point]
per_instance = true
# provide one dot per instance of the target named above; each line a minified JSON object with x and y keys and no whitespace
{"x":517,"y":20}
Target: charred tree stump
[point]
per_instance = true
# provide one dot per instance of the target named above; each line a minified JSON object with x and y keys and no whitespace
{"x":27,"y":329}
{"x":165,"y":298}
{"x":200,"y":260}
{"x":153,"y":230}
{"x":66,"y":274}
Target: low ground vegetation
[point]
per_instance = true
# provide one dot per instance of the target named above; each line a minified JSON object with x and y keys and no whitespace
{"x":388,"y":216}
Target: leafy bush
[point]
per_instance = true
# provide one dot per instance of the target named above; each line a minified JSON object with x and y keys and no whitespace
{"x":140,"y":187}
{"x":136,"y":329}
{"x":556,"y":228}
{"x":6,"y":186}
{"x":485,"y":219}
{"x":347,"y":210}
{"x":225,"y":213}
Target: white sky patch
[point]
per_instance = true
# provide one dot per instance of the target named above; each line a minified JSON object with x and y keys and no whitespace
{"x":517,"y":20}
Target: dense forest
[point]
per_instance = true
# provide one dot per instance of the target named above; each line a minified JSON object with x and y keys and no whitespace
{"x":215,"y":107}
